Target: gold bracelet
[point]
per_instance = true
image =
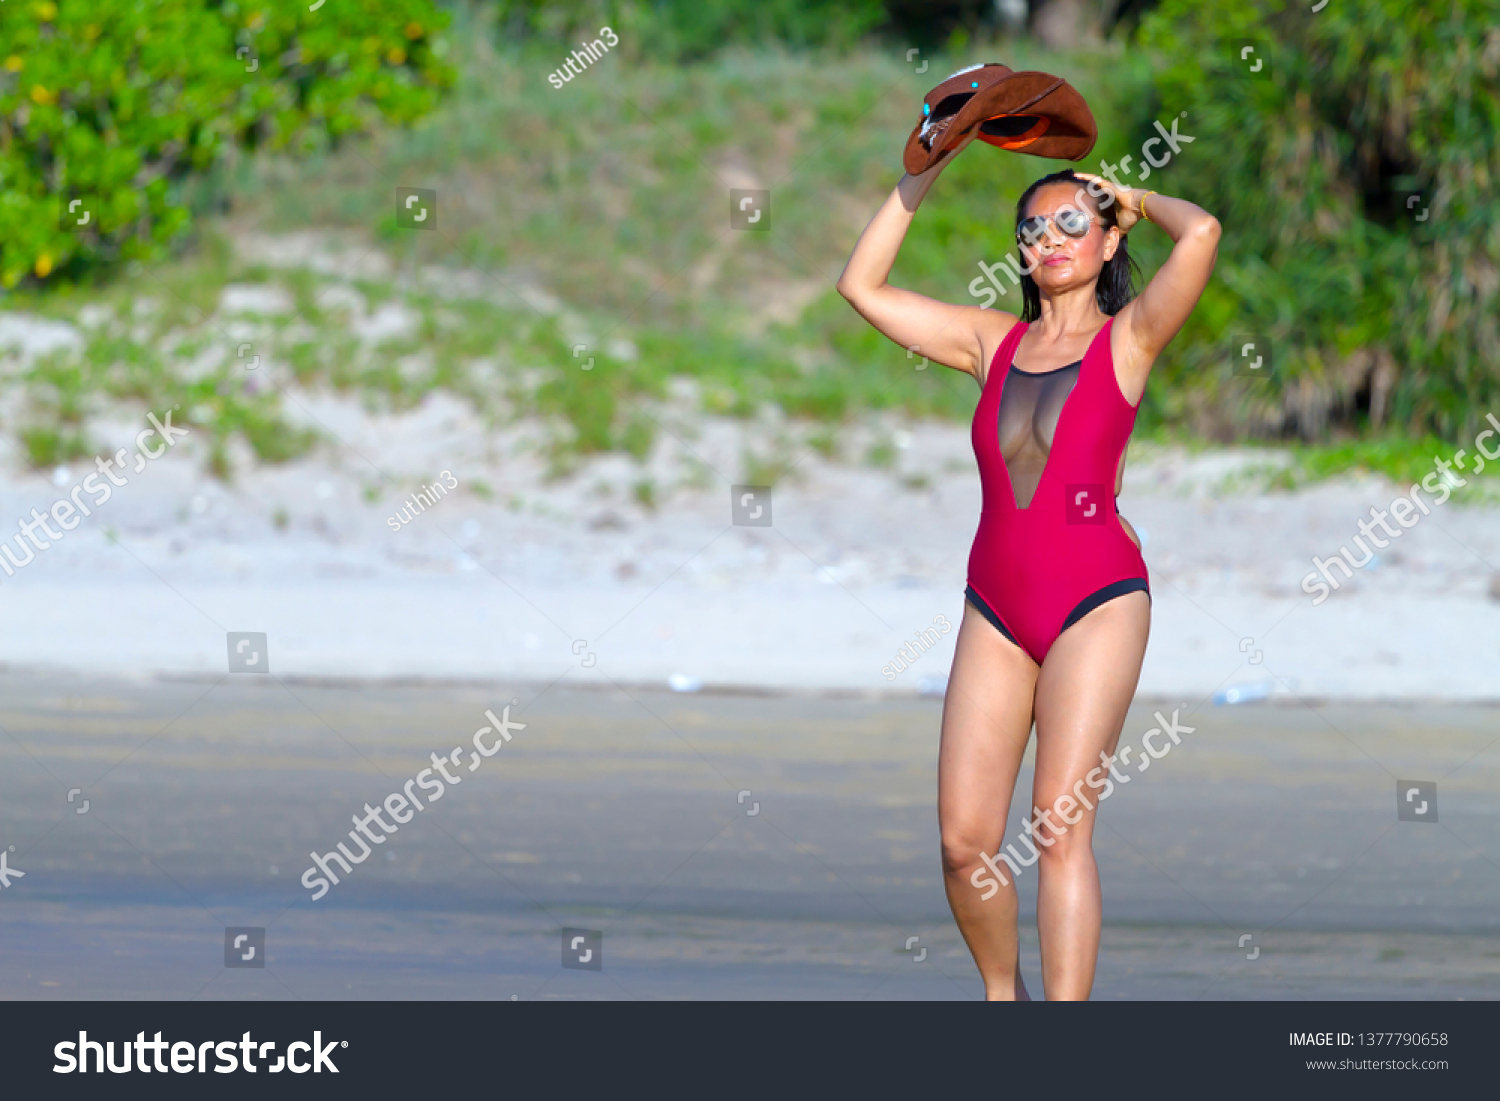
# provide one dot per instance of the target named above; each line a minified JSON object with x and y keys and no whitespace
{"x":1144,"y":215}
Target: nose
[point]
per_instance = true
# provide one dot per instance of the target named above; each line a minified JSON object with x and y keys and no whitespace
{"x":1048,"y":244}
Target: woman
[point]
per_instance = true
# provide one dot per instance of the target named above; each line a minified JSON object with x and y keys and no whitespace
{"x":1057,"y":611}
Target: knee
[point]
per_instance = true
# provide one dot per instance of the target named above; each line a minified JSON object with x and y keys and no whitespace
{"x":961,"y":850}
{"x":1067,"y":849}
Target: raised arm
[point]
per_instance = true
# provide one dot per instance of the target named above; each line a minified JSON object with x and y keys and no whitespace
{"x":1148,"y":323}
{"x":943,"y":332}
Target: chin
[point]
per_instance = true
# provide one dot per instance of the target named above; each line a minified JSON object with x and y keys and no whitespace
{"x":1056,"y":280}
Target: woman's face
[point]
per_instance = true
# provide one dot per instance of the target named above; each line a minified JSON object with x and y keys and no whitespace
{"x":1064,"y":262}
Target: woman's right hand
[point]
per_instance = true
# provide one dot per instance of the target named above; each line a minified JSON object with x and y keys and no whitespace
{"x":914,"y":188}
{"x":1126,"y":200}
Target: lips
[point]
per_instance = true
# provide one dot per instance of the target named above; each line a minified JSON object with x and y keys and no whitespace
{"x":1051,"y":260}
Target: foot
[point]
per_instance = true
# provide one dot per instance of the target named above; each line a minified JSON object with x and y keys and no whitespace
{"x":1018,"y":991}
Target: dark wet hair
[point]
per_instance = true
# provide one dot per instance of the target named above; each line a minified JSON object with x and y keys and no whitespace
{"x":1115,"y":286}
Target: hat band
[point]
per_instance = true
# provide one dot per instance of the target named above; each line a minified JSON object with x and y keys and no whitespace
{"x":1007,"y":138}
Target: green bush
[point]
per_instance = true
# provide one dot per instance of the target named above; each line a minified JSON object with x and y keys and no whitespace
{"x":107,"y":106}
{"x":1358,"y":182}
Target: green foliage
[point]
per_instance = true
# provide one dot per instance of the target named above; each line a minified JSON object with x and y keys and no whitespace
{"x":675,"y":30}
{"x":1402,"y":459}
{"x":62,"y":389}
{"x":609,"y":196}
{"x":1379,"y":312}
{"x":107,"y":106}
{"x":46,"y":447}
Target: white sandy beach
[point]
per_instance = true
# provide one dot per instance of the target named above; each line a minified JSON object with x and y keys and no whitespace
{"x":535,"y":580}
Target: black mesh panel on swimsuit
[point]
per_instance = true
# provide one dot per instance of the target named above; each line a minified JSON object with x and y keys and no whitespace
{"x":1029,"y":407}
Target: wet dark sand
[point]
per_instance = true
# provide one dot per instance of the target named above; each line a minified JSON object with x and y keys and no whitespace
{"x":619,"y":810}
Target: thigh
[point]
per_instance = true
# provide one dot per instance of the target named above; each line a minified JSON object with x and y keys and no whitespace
{"x":986,"y":723}
{"x":1083,"y":690}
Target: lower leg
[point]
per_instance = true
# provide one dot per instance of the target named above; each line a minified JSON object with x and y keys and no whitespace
{"x":1069,"y":914}
{"x":989,"y":929}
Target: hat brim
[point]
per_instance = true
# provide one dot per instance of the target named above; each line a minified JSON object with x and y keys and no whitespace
{"x":1034,"y":113}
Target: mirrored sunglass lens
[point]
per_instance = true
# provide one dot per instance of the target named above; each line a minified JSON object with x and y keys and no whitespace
{"x":1031,"y":230}
{"x":1075,"y":223}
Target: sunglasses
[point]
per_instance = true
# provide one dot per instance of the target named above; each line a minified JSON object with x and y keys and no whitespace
{"x":1074,"y":223}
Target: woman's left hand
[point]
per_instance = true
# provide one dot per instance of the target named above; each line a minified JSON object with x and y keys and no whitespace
{"x":1127,"y":200}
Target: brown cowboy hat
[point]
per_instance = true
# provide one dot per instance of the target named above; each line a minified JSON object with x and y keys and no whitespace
{"x":1035,"y":113}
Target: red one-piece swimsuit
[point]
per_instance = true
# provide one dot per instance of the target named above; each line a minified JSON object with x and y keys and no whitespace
{"x":1050,"y":547}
